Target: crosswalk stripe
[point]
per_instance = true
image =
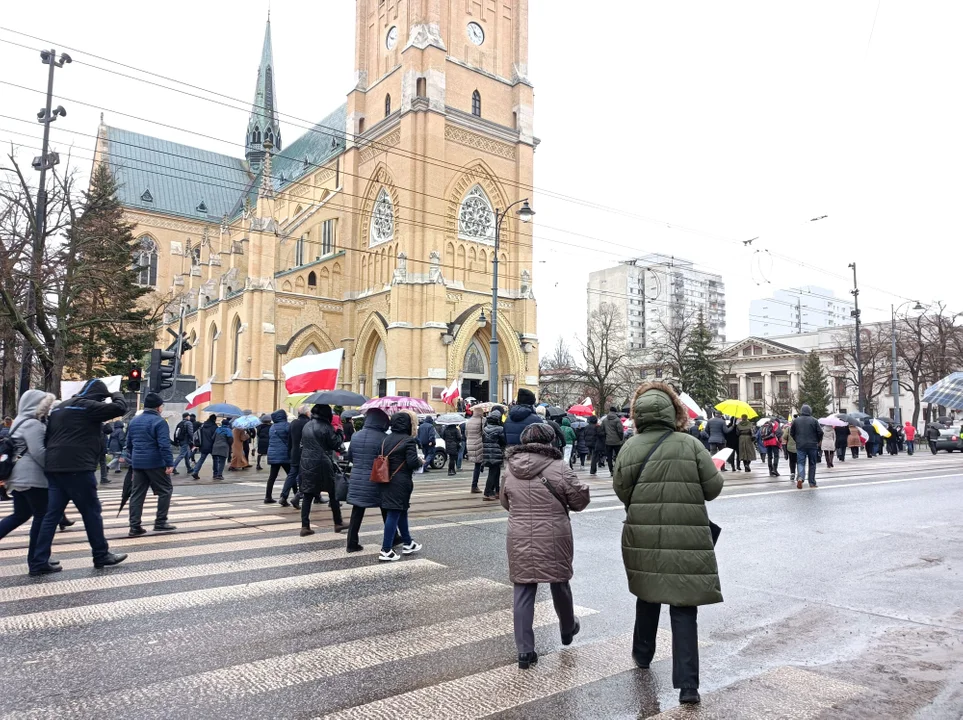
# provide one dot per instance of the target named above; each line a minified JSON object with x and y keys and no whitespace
{"x":118,"y":578}
{"x":788,"y":693}
{"x":112,"y":523}
{"x":187,"y":536}
{"x":275,"y":542}
{"x":252,"y":628}
{"x":506,"y":687}
{"x":232,"y":683}
{"x":160,"y":604}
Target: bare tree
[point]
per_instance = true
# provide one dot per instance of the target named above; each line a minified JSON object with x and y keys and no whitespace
{"x":605,"y":372}
{"x":561,"y":380}
{"x":672,"y":350}
{"x":875,"y":360}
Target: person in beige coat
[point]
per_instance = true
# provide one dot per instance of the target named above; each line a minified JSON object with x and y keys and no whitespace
{"x":539,"y":490}
{"x":828,"y":444}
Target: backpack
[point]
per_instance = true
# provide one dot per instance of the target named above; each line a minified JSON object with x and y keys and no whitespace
{"x":197,"y":438}
{"x":9,"y":452}
{"x":179,"y":433}
{"x":766,"y":432}
{"x":379,"y":468}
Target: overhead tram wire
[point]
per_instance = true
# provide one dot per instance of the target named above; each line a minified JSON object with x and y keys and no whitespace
{"x":311,"y":127}
{"x":335,"y":133}
{"x":304,"y":184}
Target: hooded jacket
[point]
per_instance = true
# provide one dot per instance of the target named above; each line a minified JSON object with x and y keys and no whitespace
{"x":539,"y":542}
{"x":473,"y":438}
{"x":806,"y":430}
{"x":402,"y":462}
{"x":149,"y":442}
{"x":567,"y":432}
{"x":452,"y":437}
{"x":426,"y":434}
{"x":279,"y":442}
{"x":494,"y":438}
{"x":263,"y":434}
{"x":594,"y":435}
{"x":297,"y":432}
{"x":366,"y":445}
{"x":74,"y":438}
{"x":666,"y":543}
{"x":519,"y":418}
{"x":318,"y":441}
{"x":117,"y":440}
{"x":829,"y":439}
{"x":223,"y":440}
{"x":614,"y":432}
{"x":28,"y":471}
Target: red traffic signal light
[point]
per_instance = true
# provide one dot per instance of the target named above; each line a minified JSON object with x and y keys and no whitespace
{"x":134,"y":374}
{"x":134,"y":377}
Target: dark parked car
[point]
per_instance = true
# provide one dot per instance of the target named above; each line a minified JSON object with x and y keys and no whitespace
{"x":950,"y":440}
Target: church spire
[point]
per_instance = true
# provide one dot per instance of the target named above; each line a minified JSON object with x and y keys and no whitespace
{"x":263,"y":124}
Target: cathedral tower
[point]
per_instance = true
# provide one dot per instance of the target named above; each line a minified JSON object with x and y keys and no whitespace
{"x":263,"y":124}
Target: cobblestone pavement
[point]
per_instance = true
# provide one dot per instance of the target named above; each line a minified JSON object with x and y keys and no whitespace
{"x":840,"y":602}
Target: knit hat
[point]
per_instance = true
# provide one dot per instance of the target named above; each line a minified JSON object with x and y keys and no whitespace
{"x":153,"y":401}
{"x":525,"y":397}
{"x":538,"y":433}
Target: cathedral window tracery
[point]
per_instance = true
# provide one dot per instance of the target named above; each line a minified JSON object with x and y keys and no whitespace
{"x":145,"y":261}
{"x":476,"y":219}
{"x":382,"y":219}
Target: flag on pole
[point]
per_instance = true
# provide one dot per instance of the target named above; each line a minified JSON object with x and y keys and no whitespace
{"x":691,"y":406}
{"x":200,"y":396}
{"x":721,"y":458}
{"x":451,"y":395}
{"x":313,"y":373}
{"x":587,"y":402}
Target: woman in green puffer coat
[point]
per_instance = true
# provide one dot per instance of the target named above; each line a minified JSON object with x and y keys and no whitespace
{"x":666,"y":542}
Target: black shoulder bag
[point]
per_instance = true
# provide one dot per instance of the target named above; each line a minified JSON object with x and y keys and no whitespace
{"x":642,"y":468}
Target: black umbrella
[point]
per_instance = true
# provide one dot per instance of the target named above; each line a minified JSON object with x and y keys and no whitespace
{"x":860,"y":415}
{"x":128,"y":488}
{"x":847,"y":418}
{"x":343,"y":398}
{"x":552,"y":411}
{"x":348,"y":414}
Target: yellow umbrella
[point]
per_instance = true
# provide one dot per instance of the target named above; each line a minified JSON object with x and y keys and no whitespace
{"x":736,"y":408}
{"x":293,"y":400}
{"x":881,"y":429}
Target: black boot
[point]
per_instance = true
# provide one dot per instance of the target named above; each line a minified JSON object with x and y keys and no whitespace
{"x":689,"y":696}
{"x":525,"y":660}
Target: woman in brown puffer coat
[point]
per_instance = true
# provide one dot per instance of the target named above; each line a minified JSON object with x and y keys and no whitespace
{"x":539,"y":491}
{"x":475,"y":446}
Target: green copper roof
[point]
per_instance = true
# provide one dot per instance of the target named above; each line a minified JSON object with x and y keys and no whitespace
{"x":264,"y":123}
{"x":161,"y":176}
{"x":318,"y":145}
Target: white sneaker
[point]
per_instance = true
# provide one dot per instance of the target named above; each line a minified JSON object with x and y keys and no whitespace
{"x":390,"y":556}
{"x":410,"y":549}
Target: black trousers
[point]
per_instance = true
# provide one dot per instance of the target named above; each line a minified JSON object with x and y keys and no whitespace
{"x":452,"y":462}
{"x":685,"y":640}
{"x":308,"y":500}
{"x":476,"y":473}
{"x":273,"y":475}
{"x":494,"y":477}
{"x":598,"y":458}
{"x":153,"y":479}
{"x":611,"y":453}
{"x":354,"y":526}
{"x":855,"y":451}
{"x":792,"y":465}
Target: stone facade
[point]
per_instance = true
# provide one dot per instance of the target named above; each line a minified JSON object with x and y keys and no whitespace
{"x":384,"y":246}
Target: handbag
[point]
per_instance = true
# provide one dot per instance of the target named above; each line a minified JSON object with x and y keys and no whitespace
{"x":379,"y":468}
{"x":642,"y":467}
{"x":340,"y":485}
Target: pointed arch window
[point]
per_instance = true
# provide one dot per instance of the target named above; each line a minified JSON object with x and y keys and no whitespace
{"x":312,"y":279}
{"x":387,"y":105}
{"x":196,"y":256}
{"x":474,"y":363}
{"x":212,"y":355}
{"x":145,"y":261}
{"x":382,"y":219}
{"x":269,"y":136}
{"x":311,"y":349}
{"x":476,"y":219}
{"x":476,"y":104}
{"x":236,"y":336}
{"x":256,"y":136}
{"x":299,"y":252}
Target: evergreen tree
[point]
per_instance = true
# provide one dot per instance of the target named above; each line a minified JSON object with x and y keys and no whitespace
{"x":814,"y":387}
{"x":110,"y":325}
{"x":700,"y":372}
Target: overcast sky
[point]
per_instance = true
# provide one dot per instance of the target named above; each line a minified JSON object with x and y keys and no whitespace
{"x":680,"y":127}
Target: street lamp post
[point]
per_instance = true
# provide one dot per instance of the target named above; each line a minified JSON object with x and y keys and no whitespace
{"x":525,"y":214}
{"x":859,"y":361}
{"x":896,"y":410}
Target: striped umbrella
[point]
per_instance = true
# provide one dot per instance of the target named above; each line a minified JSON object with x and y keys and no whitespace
{"x":947,"y":392}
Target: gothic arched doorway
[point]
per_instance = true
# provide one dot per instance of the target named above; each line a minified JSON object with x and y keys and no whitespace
{"x":379,"y":371}
{"x":474,"y":372}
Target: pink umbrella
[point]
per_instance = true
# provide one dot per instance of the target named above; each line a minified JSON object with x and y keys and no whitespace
{"x":583,"y":410}
{"x":392,"y":404}
{"x":833,"y":422}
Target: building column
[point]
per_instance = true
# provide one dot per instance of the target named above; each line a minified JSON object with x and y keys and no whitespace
{"x":743,"y":392}
{"x":794,"y":381}
{"x":766,"y":387}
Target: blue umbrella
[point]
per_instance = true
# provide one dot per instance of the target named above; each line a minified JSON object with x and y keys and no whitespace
{"x":947,"y":392}
{"x":246,"y":422}
{"x":224,"y":409}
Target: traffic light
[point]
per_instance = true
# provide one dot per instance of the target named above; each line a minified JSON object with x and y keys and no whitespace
{"x":134,"y":376}
{"x":162,"y":366}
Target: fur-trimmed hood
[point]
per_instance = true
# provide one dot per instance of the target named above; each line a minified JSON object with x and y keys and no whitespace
{"x":529,"y":461}
{"x":655,"y":403}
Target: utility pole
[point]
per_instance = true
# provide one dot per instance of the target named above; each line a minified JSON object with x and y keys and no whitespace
{"x":859,"y":363}
{"x":43,"y":163}
{"x":896,"y":411}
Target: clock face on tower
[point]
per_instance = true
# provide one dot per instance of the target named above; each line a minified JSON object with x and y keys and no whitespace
{"x":475,"y":33}
{"x":391,"y":39}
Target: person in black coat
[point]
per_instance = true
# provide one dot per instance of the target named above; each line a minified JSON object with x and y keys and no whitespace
{"x":732,"y":441}
{"x":493,"y":442}
{"x":263,"y":438}
{"x":595,"y":439}
{"x":291,"y":482}
{"x":317,"y":466}
{"x":401,"y":448}
{"x":206,"y":445}
{"x":842,"y":442}
{"x":452,"y":437}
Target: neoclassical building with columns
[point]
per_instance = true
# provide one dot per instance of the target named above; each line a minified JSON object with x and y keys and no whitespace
{"x":373,"y":231}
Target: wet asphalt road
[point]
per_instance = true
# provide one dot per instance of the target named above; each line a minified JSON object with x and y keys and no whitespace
{"x":846,"y":601}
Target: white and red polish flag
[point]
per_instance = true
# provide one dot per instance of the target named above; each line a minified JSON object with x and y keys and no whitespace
{"x":200,"y":396}
{"x":451,"y":395}
{"x":721,"y":458}
{"x":312,"y":373}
